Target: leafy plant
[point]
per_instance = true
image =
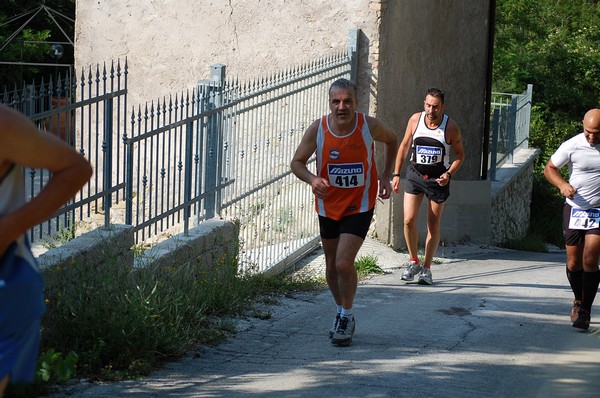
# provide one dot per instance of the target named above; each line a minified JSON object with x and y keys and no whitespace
{"x":53,"y":366}
{"x":368,"y":265}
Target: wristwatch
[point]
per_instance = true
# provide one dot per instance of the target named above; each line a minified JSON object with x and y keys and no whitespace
{"x":449,"y":175}
{"x":395,"y":175}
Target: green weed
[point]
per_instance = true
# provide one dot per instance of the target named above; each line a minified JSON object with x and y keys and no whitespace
{"x":122,"y":323}
{"x":367,"y":265}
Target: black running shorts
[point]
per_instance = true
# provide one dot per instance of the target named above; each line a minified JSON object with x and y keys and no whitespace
{"x":355,"y":224}
{"x":417,"y":183}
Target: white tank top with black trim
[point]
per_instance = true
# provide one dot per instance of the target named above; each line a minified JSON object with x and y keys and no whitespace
{"x":430,"y":152}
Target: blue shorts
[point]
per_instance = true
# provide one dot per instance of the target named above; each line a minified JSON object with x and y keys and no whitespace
{"x":21,"y":309}
{"x":19,"y":353}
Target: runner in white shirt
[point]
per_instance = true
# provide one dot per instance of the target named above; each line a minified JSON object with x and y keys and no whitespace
{"x":581,"y":213}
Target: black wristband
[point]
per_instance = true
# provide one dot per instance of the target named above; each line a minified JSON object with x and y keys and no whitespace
{"x":395,"y":175}
{"x":449,"y":175}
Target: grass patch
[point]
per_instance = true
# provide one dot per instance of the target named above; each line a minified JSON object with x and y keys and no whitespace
{"x":531,"y":243}
{"x":368,"y":265}
{"x":114,"y":323}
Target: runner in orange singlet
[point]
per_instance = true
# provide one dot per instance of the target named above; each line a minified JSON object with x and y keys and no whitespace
{"x":345,"y":185}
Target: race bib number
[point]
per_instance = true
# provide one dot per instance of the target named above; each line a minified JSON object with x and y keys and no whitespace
{"x":584,"y":219}
{"x":428,"y":154}
{"x":349,"y":175}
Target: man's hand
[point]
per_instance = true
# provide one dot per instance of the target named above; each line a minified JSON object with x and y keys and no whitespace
{"x":443,"y":180}
{"x":319,"y":187}
{"x":568,"y":191}
{"x":385,"y":188}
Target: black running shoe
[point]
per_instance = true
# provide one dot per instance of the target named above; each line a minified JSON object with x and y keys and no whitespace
{"x":583,"y":319}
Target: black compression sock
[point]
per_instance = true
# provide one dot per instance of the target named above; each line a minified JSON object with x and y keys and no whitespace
{"x":576,"y":281}
{"x":590,"y":282}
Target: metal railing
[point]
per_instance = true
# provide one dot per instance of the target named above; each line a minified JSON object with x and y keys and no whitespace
{"x":221,"y":149}
{"x":224,"y":150}
{"x":511,"y":115}
{"x":89,"y":114}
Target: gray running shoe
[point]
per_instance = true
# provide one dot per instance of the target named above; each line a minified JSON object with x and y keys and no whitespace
{"x":410,"y":271}
{"x":336,"y":322}
{"x":344,"y":332}
{"x":425,"y":277}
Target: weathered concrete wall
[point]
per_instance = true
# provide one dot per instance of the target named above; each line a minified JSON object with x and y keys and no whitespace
{"x":406,"y":47}
{"x":213,"y":244}
{"x":466,"y":216}
{"x":437,"y":43}
{"x":170,"y":44}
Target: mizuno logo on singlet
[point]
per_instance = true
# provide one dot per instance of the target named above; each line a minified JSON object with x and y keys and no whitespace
{"x":345,"y":170}
{"x":428,"y":150}
{"x":583,"y":213}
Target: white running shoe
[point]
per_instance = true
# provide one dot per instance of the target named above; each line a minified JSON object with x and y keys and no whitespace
{"x":425,"y":277}
{"x":410,"y":271}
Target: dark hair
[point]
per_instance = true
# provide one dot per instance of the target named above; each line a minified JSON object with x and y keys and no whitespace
{"x":435,"y":92}
{"x":345,"y":84}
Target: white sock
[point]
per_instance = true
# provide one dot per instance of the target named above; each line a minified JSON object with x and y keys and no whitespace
{"x":339,"y":309}
{"x":346,"y":312}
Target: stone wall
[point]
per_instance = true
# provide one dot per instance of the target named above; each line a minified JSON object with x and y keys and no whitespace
{"x":511,"y":197}
{"x":488,"y":212}
{"x":212,"y":244}
{"x":93,"y":248}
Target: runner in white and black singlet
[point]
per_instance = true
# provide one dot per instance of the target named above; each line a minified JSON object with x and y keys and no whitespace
{"x":430,"y":137}
{"x":581,"y":213}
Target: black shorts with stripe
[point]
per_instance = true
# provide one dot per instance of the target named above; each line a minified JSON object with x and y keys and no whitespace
{"x":417,"y":183}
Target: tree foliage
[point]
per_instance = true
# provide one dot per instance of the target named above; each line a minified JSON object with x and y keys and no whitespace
{"x":36,"y":34}
{"x":554,"y":46}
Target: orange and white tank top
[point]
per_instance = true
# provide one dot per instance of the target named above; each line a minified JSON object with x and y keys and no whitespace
{"x":348,"y":163}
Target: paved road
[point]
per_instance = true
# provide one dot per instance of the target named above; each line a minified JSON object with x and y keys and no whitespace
{"x":494,"y":324}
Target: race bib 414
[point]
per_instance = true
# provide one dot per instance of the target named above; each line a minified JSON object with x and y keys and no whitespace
{"x":348,"y":175}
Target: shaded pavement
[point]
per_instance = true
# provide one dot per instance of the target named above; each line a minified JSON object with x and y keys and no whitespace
{"x":495,"y":323}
